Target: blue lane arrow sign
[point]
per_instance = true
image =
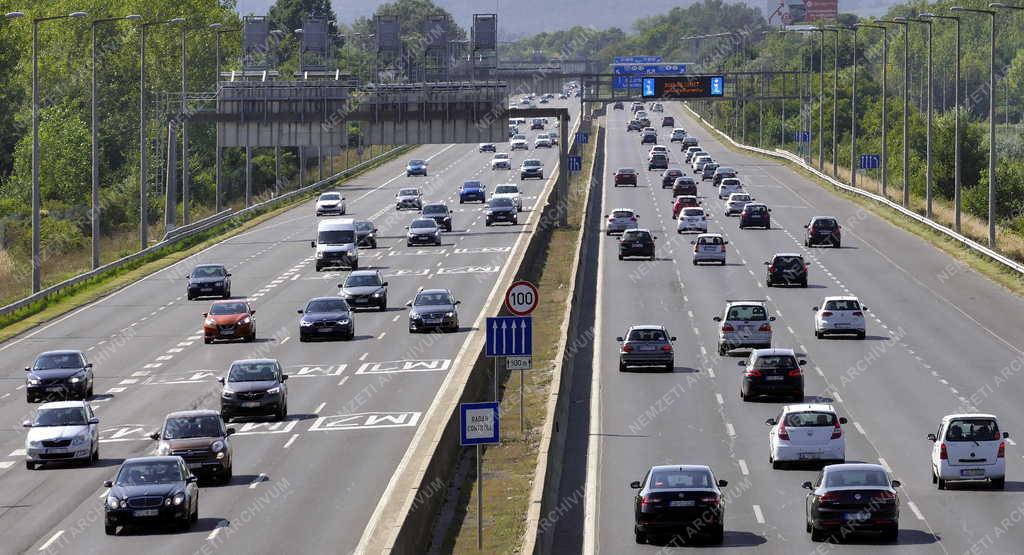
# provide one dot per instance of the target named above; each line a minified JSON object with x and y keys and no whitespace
{"x":509,"y":336}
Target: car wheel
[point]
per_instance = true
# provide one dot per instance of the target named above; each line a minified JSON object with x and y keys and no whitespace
{"x":803,"y":284}
{"x":351,"y":334}
{"x":190,"y":297}
{"x":861,"y":335}
{"x":194,"y":517}
{"x":207,"y":340}
{"x":89,"y":392}
{"x":283,"y":413}
{"x":935,"y":479}
{"x":383,"y":307}
{"x":891,"y":533}
{"x":818,"y":535}
{"x":622,"y":366}
{"x":318,"y":267}
{"x":694,"y":262}
{"x":641,"y":538}
{"x":940,"y":483}
{"x":620,"y":257}
{"x":227,"y":294}
{"x":999,"y":483}
{"x":721,"y":350}
{"x":110,"y":529}
{"x":807,"y":526}
{"x":95,"y":454}
{"x":776,"y":465}
{"x":30,"y":465}
{"x":717,"y":535}
{"x":837,"y":245}
{"x":817,"y":334}
{"x":302,"y":338}
{"x":250,"y":338}
{"x":408,"y":243}
{"x":670,"y":366}
{"x":767,"y":283}
{"x":745,"y":397}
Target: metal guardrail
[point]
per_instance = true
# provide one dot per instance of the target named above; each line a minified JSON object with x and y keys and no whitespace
{"x":184,"y":232}
{"x":785,"y":154}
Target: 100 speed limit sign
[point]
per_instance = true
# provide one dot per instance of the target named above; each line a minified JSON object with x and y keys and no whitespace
{"x":521,"y":298}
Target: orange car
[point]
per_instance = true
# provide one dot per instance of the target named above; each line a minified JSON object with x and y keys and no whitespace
{"x":229,"y":320}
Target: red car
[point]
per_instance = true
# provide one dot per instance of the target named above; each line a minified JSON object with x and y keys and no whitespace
{"x":229,"y":320}
{"x":683,"y":201}
{"x":625,"y":176}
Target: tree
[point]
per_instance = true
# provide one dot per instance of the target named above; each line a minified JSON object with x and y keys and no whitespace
{"x":287,"y":15}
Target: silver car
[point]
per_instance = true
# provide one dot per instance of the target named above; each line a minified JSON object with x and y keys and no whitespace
{"x":409,"y":197}
{"x":744,"y":324}
{"x":648,"y":345}
{"x":63,"y":431}
{"x":709,"y":247}
{"x":622,"y":219}
{"x":736,"y":203}
{"x":839,"y":315}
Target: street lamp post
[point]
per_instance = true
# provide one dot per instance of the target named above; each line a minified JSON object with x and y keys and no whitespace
{"x":835,"y":97}
{"x":956,"y":120}
{"x":95,"y":211}
{"x":218,"y":29}
{"x":928,"y":144}
{"x":906,"y":86}
{"x":885,"y":111}
{"x":185,"y":174}
{"x":853,"y":106}
{"x":36,"y":200}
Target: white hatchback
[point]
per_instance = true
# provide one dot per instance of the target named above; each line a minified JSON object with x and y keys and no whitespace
{"x":736,"y":203}
{"x":728,"y":187}
{"x":709,"y":247}
{"x":693,"y":219}
{"x":839,"y":315}
{"x":621,"y":219}
{"x":806,"y":433}
{"x":969,"y":447}
{"x":63,"y":431}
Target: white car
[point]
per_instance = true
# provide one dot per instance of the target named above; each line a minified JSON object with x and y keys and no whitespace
{"x":657,"y":149}
{"x":501,"y":161}
{"x":839,"y":315}
{"x":657,"y":108}
{"x":330,"y":203}
{"x":692,"y":151}
{"x":969,"y":447}
{"x":678,"y":134}
{"x":509,"y":191}
{"x":621,"y":219}
{"x":408,"y":197}
{"x":806,"y":433}
{"x":728,"y":187}
{"x":542,"y":141}
{"x":736,"y":202}
{"x":692,"y":219}
{"x":64,"y":431}
{"x":553,"y":135}
{"x":698,"y":163}
{"x":519,"y":143}
{"x":709,"y":247}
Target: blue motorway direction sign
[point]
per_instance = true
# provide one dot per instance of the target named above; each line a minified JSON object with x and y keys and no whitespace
{"x":575,"y":163}
{"x":582,"y":137}
{"x":870,"y":161}
{"x":637,"y":59}
{"x":479,"y":423}
{"x":509,"y":336}
{"x":802,"y":136}
{"x":648,"y":69}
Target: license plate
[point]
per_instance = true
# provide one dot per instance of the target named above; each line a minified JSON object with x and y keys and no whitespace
{"x":709,"y":249}
{"x":972,"y":472}
{"x":774,"y":378}
{"x":863,"y":515}
{"x":55,"y":388}
{"x":805,"y":456}
{"x":146,"y":512}
{"x":684,"y":503}
{"x":206,"y":289}
{"x":195,"y":465}
{"x":647,"y":347}
{"x":842,"y":325}
{"x":325,"y":330}
{"x":227,"y":332}
{"x":250,"y":404}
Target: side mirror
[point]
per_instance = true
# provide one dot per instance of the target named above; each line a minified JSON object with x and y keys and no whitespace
{"x":725,"y":242}
{"x":406,"y":227}
{"x":619,"y":339}
{"x":108,"y":483}
{"x":300,"y":311}
{"x":693,"y":242}
{"x":803,"y":362}
{"x":385,"y":284}
{"x":408,"y":303}
{"x":741,"y":364}
{"x":228,"y":274}
{"x":29,"y":369}
{"x":252,"y":313}
{"x":864,"y":308}
{"x":284,"y":377}
{"x":205,"y":314}
{"x":88,"y":365}
{"x":896,"y":483}
{"x":717,"y":318}
{"x":340,"y":285}
{"x":26,"y":424}
{"x":722,"y":483}
{"x":932,"y":437}
{"x":220,"y":380}
{"x":843,"y":420}
{"x":771,"y":422}
{"x":342,"y":198}
{"x":1006,"y":435}
{"x":154,"y":435}
{"x":229,"y":432}
{"x":814,"y":309}
{"x":94,"y":420}
{"x":766,"y":263}
{"x":635,"y":484}
{"x":312,"y":244}
{"x":187,"y":276}
{"x":673,"y":338}
{"x":807,"y":485}
{"x":458,"y":302}
{"x":805,"y":226}
{"x":771,"y":318}
{"x":192,"y":479}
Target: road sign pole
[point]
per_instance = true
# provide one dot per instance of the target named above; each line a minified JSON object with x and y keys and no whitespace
{"x":522,"y":410}
{"x":479,"y":501}
{"x":496,"y":379}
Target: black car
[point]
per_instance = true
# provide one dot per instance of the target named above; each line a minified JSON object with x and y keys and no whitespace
{"x":326,"y":318}
{"x":755,"y":214}
{"x":151,"y":490}
{"x":684,"y":186}
{"x":679,"y":500}
{"x":649,"y":138}
{"x":537,"y":123}
{"x":668,"y":121}
{"x":433,"y":309}
{"x":254,"y":387}
{"x":786,"y":269}
{"x":617,"y":106}
{"x":365,"y":289}
{"x":772,"y":372}
{"x":669,"y":177}
{"x":59,"y":375}
{"x":688,"y":142}
{"x":823,"y":230}
{"x":852,"y":497}
{"x":488,"y":147}
{"x":634,"y":125}
{"x":636,"y":242}
{"x":440,"y":214}
{"x":658,"y":161}
{"x":208,"y":280}
{"x":708,"y":171}
{"x":501,"y":209}
{"x":366,"y":234}
{"x":722,"y":173}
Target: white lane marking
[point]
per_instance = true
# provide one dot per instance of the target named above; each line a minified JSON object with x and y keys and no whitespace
{"x":859,"y":428}
{"x":128,"y":381}
{"x":343,"y":380}
{"x":296,"y":276}
{"x":4,"y":465}
{"x":174,"y":350}
{"x":730,"y":430}
{"x":261,"y":478}
{"x":835,"y":394}
{"x":5,"y":395}
{"x":382,"y":334}
{"x":790,"y":328}
{"x":711,"y":371}
{"x":397,"y":316}
{"x":718,"y":397}
{"x":213,"y":533}
{"x":164,"y":357}
{"x":743,"y":467}
{"x":17,"y":453}
{"x":114,"y":390}
{"x":917,"y":512}
{"x":758,"y":514}
{"x":285,"y":340}
{"x":290,"y":441}
{"x":703,"y":351}
{"x":363,"y":356}
{"x":153,"y":365}
{"x":185,"y":343}
{"x":1010,"y":441}
{"x":50,"y":541}
{"x":319,"y":407}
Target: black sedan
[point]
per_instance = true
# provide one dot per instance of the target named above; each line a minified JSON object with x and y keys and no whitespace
{"x":151,"y":490}
{"x":679,"y":500}
{"x":669,"y":177}
{"x":365,"y":289}
{"x":326,"y":318}
{"x":208,"y":280}
{"x":636,"y":242}
{"x":254,"y":387}
{"x":59,"y":375}
{"x":852,"y":497}
{"x":440,"y":214}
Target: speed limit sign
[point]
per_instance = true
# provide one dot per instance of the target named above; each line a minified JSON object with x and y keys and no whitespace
{"x":521,"y":298}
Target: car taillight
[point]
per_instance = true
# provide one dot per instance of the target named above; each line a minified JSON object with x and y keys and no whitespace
{"x":627,"y":348}
{"x":611,"y":218}
{"x":783,"y":434}
{"x":648,"y":501}
{"x":765,"y":327}
{"x":666,"y":348}
{"x":771,"y":268}
{"x":886,"y":497}
{"x":710,"y":500}
{"x":826,"y":313}
{"x":728,"y":327}
{"x":795,"y":372}
{"x":696,"y":248}
{"x":943,"y":454}
{"x":1002,"y":450}
{"x":753,"y":373}
{"x":837,"y":432}
{"x":828,"y":498}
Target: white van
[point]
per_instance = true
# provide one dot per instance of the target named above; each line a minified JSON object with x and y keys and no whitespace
{"x":335,"y":244}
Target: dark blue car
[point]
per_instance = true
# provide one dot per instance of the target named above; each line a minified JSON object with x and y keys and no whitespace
{"x":472,"y":191}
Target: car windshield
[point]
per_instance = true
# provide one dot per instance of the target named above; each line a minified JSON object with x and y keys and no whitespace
{"x":416,"y":162}
{"x":228,"y":308}
{"x":842,"y":304}
{"x":332,"y":305}
{"x":856,"y":478}
{"x":408,"y":192}
{"x":754,"y":208}
{"x":435,"y":209}
{"x":182,"y":427}
{"x":145,"y":473}
{"x":738,"y":196}
{"x":362,"y":280}
{"x":693,"y":212}
{"x":63,"y":360}
{"x":730,"y":182}
{"x":501,"y":202}
{"x":622,"y":214}
{"x":430,"y":299}
{"x":208,"y":271}
{"x":336,"y":237}
{"x":636,"y":235}
{"x":776,"y":362}
{"x":747,"y":312}
{"x":364,"y":226}
{"x":787,"y":262}
{"x":422,"y":224}
{"x":685,"y":181}
{"x":68,"y":416}
{"x":709,"y":240}
{"x":973,"y":429}
{"x":330,"y":196}
{"x":501,"y":189}
{"x":824,"y":224}
{"x":253,"y":372}
{"x":501,"y":156}
{"x":626,"y":171}
{"x":519,"y":137}
{"x":810,"y":418}
{"x":531,"y":163}
{"x":472,"y":185}
{"x":681,"y":479}
{"x":647,"y":335}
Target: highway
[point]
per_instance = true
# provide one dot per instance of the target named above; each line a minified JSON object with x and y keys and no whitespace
{"x":314,"y":480}
{"x":940,"y":339}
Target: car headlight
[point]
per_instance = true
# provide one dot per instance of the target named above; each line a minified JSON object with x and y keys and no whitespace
{"x":319,"y":254}
{"x":413,"y":315}
{"x":305,"y":323}
{"x":274,"y":390}
{"x":217,"y":446}
{"x":227,"y":393}
{"x":113,"y":502}
{"x":450,"y":313}
{"x":79,"y":439}
{"x":245,"y":320}
{"x":77,"y":377}
{"x":163,"y":449}
{"x":35,"y":444}
{"x":32,"y":380}
{"x":378,"y":294}
{"x":210,"y":322}
{"x":343,"y":321}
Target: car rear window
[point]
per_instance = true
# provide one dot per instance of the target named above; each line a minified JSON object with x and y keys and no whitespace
{"x":973,"y":429}
{"x":622,"y":214}
{"x":747,"y":312}
{"x":408,"y":192}
{"x":810,"y":418}
{"x":693,"y":212}
{"x":435,"y":209}
{"x":824,"y":224}
{"x":636,"y":235}
{"x":842,"y":305}
{"x":627,"y":171}
{"x":787,"y":262}
{"x":679,"y":478}
{"x":776,"y":362}
{"x":856,"y":478}
{"x":647,"y":335}
{"x":754,"y":208}
{"x":730,"y":182}
{"x":709,"y":240}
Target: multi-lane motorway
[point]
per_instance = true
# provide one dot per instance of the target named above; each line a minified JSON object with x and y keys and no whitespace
{"x":940,"y":339}
{"x":303,"y":484}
